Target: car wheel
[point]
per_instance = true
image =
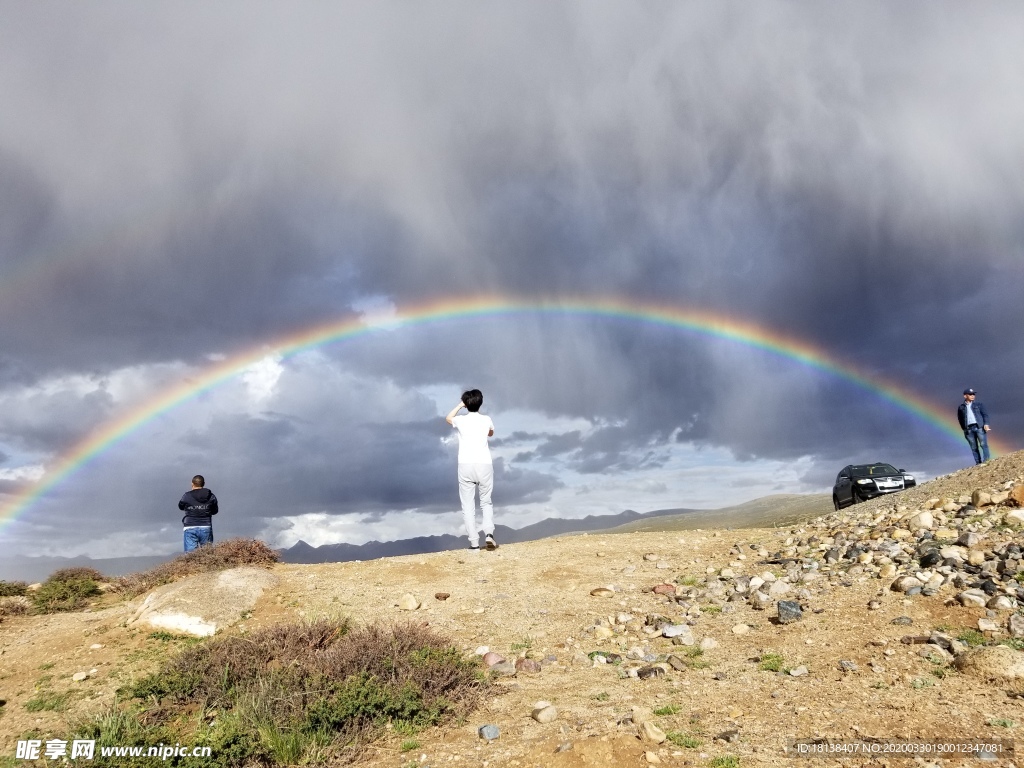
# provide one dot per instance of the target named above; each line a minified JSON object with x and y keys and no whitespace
{"x":835,"y":502}
{"x":853,"y":497}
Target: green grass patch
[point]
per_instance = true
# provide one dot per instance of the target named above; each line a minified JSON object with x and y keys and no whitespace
{"x":879,"y":685}
{"x":972,"y":637}
{"x":602,"y":696}
{"x":712,"y":609}
{"x":683,"y":739}
{"x":524,"y":645}
{"x":694,"y":652}
{"x":1002,"y":722}
{"x":1017,"y":643}
{"x":688,"y":581}
{"x":921,"y":682}
{"x":725,"y":761}
{"x":670,"y":709}
{"x":297,"y":694}
{"x":49,"y":701}
{"x":410,"y":745}
{"x":772,"y":662}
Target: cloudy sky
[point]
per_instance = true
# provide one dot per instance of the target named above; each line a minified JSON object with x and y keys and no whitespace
{"x":181,"y":183}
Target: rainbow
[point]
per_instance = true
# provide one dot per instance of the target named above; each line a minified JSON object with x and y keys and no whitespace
{"x":707,"y":322}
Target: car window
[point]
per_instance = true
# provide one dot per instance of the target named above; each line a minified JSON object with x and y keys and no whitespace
{"x":874,"y":470}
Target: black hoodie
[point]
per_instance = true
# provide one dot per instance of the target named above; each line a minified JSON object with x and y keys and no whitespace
{"x":200,"y":505}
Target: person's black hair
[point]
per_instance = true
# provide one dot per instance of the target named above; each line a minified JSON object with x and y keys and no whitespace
{"x":198,"y":481}
{"x":473,"y":399}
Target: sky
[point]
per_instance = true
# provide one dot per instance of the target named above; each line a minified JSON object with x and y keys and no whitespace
{"x":184,"y":185}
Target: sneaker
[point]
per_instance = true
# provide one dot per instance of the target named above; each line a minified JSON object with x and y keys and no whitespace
{"x":474,"y":547}
{"x":491,"y":543}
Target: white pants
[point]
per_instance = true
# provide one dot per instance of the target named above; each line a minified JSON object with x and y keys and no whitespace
{"x":472,"y":476}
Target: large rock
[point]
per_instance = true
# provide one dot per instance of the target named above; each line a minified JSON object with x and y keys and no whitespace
{"x":202,"y":604}
{"x":1017,"y":496}
{"x":981,"y":499}
{"x":921,"y":520}
{"x":995,"y":662}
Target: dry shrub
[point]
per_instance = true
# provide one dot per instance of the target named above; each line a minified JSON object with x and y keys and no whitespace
{"x":14,"y":605}
{"x":217,"y":557}
{"x":77,"y":573}
{"x":325,"y":685}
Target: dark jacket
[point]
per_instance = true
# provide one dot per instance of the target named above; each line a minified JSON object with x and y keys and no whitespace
{"x":200,"y":505}
{"x":980,"y":414}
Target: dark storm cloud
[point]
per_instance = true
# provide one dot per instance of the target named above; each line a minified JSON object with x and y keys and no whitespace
{"x":181,"y":180}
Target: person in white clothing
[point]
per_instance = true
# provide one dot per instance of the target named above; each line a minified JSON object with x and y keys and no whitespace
{"x":475,"y":468}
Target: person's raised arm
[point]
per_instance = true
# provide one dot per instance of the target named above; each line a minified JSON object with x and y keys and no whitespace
{"x":454,"y":411}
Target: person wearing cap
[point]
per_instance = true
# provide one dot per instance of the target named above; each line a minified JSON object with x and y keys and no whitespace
{"x":973,"y":420}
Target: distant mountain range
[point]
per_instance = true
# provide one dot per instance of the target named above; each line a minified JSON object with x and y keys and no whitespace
{"x":763,"y":512}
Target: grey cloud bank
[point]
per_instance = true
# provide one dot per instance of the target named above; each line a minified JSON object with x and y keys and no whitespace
{"x":186,"y":180}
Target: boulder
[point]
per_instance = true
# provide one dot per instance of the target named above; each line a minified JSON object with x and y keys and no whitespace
{"x":996,"y":662}
{"x":202,"y":604}
{"x":1016,"y":496}
{"x":981,"y":499}
{"x":1014,"y":517}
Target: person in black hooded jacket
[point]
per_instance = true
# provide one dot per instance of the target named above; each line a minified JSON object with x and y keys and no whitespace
{"x":200,"y":505}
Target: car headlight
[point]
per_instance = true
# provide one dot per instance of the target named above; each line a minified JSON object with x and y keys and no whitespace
{"x":908,"y":477}
{"x":865,"y":481}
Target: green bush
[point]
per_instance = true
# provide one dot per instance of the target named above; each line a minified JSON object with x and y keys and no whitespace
{"x":13,"y":588}
{"x":67,"y":590}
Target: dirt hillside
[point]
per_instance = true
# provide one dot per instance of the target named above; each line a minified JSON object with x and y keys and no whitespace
{"x":733,"y":682}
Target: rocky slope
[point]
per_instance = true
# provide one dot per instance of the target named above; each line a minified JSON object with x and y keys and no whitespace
{"x":670,"y":648}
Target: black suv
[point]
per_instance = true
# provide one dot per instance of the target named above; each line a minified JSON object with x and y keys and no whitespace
{"x":859,"y":482}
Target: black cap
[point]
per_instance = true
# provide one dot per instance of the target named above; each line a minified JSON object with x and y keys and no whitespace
{"x":969,"y":392}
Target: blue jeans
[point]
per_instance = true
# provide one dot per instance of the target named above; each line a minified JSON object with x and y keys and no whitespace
{"x":978,"y":441}
{"x":198,"y":536}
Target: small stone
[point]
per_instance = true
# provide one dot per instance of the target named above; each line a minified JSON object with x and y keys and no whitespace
{"x":798,"y":671}
{"x":652,"y":758}
{"x":491,"y":658}
{"x":544,"y":714}
{"x":676,"y":663}
{"x":664,"y":589}
{"x":602,"y":632}
{"x":602,"y":592}
{"x":976,"y":557}
{"x":789,"y":611}
{"x":528,"y":666}
{"x":906,"y":583}
{"x":902,"y":621}
{"x":488,"y":732}
{"x":996,"y":662}
{"x":652,"y":733}
{"x":408,"y":602}
{"x":847,"y":666}
{"x":650,"y":557}
{"x":1014,"y":517}
{"x":981,"y":499}
{"x":80,"y":676}
{"x":647,"y":673}
{"x":741,"y":629}
{"x":95,"y":646}
{"x":988,"y":625}
{"x":708,"y":644}
{"x":681,"y":631}
{"x":729,"y":737}
{"x":441,"y":596}
{"x":887,"y":571}
{"x":719,"y":676}
{"x":972,"y":597}
{"x":565,"y":746}
{"x":921,"y":520}
{"x":1015,"y":624}
{"x":506,"y":668}
{"x":874,"y":605}
{"x":1000,"y":603}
